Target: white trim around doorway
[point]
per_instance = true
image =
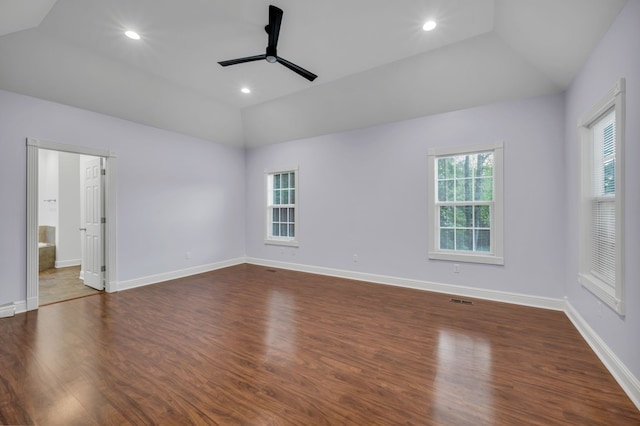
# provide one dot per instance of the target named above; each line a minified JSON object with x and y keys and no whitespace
{"x":33,"y":145}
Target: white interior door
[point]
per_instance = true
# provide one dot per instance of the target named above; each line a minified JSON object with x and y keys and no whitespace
{"x":92,"y":256}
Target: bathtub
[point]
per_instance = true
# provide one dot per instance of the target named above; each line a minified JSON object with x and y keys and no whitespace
{"x":47,"y":256}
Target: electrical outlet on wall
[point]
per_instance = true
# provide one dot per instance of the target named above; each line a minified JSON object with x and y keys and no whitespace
{"x":456,"y":268}
{"x":187,"y":255}
{"x":355,"y":258}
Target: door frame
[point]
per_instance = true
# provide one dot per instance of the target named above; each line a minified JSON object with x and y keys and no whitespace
{"x":33,"y":147}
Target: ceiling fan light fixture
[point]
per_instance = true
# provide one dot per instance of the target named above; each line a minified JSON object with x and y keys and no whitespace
{"x":132,"y":35}
{"x":429,"y":25}
{"x":271,"y":59}
{"x":245,"y":90}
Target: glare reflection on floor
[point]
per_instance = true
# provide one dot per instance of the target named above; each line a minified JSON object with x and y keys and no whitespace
{"x":280,"y":335}
{"x":463,"y":377}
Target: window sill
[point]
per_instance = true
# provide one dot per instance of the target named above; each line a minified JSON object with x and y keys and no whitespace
{"x":290,"y":243}
{"x":602,"y":292}
{"x":469,"y":258}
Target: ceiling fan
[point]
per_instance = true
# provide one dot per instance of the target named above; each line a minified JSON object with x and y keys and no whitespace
{"x":271,"y":55}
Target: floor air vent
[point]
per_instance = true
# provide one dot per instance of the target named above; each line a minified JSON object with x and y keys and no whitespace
{"x":462,"y":302}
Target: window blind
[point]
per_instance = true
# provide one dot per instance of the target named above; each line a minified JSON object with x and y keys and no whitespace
{"x":603,"y":228}
{"x":603,"y":213}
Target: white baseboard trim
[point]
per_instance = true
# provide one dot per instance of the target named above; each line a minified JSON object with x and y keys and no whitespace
{"x":67,"y":263}
{"x":478,"y":293}
{"x":31,"y":303}
{"x":8,"y":310}
{"x":11,"y":309}
{"x":21,"y":306}
{"x":629,"y":383}
{"x":154,"y":279}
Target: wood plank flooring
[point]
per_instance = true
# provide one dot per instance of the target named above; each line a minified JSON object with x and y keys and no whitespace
{"x":246,"y":346}
{"x":58,"y":284}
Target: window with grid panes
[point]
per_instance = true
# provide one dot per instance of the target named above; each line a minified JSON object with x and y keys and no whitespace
{"x":466,"y":205}
{"x":601,"y":214}
{"x":282,"y":207}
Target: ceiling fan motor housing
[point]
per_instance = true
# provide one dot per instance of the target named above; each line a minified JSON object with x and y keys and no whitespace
{"x":272,"y":54}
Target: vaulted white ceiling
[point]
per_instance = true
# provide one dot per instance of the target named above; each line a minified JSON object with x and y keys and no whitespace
{"x":374,"y":62}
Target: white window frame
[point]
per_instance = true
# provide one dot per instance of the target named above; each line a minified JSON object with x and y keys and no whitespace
{"x":610,"y":293}
{"x":496,"y":255}
{"x":269,"y":237}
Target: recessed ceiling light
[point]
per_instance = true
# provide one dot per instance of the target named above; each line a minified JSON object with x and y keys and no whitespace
{"x":245,"y":90}
{"x":429,"y":25}
{"x":132,"y":35}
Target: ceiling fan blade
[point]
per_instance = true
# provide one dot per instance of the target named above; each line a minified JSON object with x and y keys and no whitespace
{"x":297,"y":69}
{"x":275,"y":20}
{"x":242,"y":60}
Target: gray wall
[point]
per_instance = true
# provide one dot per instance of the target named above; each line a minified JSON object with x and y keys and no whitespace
{"x":616,"y":56}
{"x":175,"y":193}
{"x":68,"y":249}
{"x":365,"y":192}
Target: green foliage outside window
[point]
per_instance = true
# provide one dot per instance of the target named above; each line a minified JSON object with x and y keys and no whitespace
{"x":465,"y":192}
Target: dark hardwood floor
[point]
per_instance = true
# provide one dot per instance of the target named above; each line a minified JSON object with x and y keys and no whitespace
{"x":246,"y":346}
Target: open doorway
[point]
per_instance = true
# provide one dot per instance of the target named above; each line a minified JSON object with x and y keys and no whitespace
{"x":82,"y":237}
{"x":70,"y":230}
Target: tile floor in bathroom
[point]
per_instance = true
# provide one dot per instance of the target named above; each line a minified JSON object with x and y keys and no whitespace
{"x":58,"y":284}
